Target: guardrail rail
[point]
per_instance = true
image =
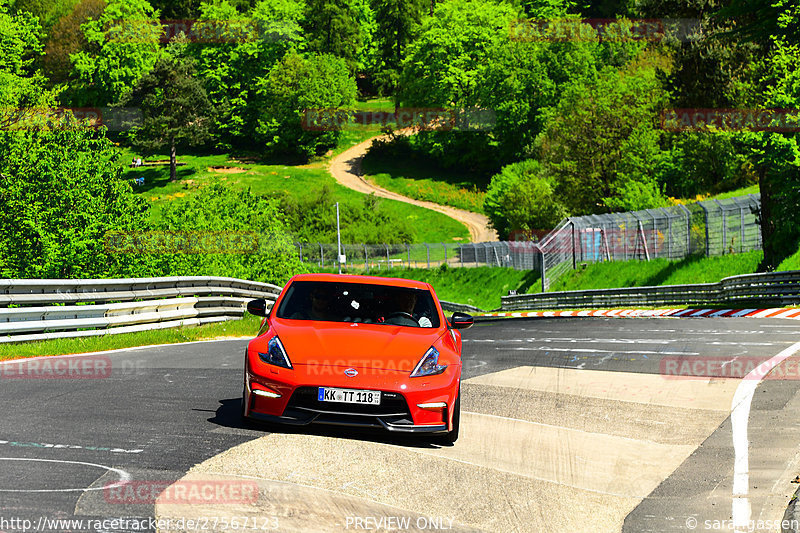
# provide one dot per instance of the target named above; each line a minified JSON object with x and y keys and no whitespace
{"x":772,"y":288}
{"x":41,"y":309}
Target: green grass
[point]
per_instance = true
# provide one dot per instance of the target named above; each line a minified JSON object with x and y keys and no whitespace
{"x":790,"y":263}
{"x":422,"y":180}
{"x":301,"y":181}
{"x":752,"y":189}
{"x":247,"y":327}
{"x":615,"y":274}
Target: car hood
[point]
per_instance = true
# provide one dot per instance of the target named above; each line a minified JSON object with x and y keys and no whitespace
{"x":355,"y":345}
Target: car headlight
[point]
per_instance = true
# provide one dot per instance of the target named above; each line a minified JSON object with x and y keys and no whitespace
{"x":429,"y":364}
{"x":276,"y":354}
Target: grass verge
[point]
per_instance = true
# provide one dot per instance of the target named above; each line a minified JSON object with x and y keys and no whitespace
{"x":247,"y":327}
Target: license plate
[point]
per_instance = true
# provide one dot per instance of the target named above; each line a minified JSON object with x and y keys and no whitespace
{"x":369,"y":397}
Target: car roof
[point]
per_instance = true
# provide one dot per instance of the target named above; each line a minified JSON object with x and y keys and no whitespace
{"x":370,"y":280}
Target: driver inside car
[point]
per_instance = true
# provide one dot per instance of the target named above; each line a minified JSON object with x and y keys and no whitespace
{"x":405,"y":302}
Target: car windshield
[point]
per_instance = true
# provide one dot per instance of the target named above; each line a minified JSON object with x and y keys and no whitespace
{"x":359,"y":302}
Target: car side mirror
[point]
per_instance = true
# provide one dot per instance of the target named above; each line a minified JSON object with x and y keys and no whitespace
{"x":257,"y":307}
{"x":461,"y":321}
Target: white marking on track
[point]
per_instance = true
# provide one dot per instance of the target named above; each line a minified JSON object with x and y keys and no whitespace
{"x":590,"y":350}
{"x":124,"y":477}
{"x":740,"y":415}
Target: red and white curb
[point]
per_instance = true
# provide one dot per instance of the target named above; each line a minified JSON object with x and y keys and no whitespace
{"x":777,"y":312}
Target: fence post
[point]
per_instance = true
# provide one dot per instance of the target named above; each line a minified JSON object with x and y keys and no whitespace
{"x":428,"y":251}
{"x":321,"y":255}
{"x":387,"y":256}
{"x":445,"y":252}
{"x":544,"y":270}
{"x":688,"y":228}
{"x":669,"y":238}
{"x":408,"y":249}
{"x":708,"y":242}
{"x":300,"y":244}
{"x":741,"y":226}
{"x":366,"y":265}
{"x":574,"y":257}
{"x":461,"y":252}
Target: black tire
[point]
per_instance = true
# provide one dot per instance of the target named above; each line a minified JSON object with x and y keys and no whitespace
{"x":451,"y":436}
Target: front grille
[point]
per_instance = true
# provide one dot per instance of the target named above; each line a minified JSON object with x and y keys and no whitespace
{"x":306,"y":398}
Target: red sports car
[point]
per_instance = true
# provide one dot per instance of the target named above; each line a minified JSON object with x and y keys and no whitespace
{"x":356,"y":351}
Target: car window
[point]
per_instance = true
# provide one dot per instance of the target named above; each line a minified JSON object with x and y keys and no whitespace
{"x":360,"y":303}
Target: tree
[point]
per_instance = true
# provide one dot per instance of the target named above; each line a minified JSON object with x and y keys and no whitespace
{"x":122,"y":46}
{"x":22,"y":89}
{"x":298,"y":84}
{"x":174,"y":105}
{"x":332,"y":28}
{"x":601,"y":142}
{"x":67,"y":38}
{"x":60,"y":193}
{"x":398,"y":22}
{"x":246,"y":50}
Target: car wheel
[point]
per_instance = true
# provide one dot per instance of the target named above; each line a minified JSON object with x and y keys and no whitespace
{"x":451,"y":436}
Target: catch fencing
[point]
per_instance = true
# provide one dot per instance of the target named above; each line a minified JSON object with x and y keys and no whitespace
{"x":710,"y":227}
{"x":518,"y":255}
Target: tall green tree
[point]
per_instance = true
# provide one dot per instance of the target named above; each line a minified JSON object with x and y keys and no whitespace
{"x":398,"y":22}
{"x":232,"y":65}
{"x":174,"y":105}
{"x":602,"y":140}
{"x":332,"y":28}
{"x":298,"y":84}
{"x":122,"y":46}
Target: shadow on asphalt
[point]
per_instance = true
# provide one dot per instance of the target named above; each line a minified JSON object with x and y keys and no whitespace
{"x":228,"y":415}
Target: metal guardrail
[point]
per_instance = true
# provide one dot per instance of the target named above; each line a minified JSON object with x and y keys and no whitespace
{"x":41,"y":309}
{"x":775,"y":288}
{"x":463,"y":308}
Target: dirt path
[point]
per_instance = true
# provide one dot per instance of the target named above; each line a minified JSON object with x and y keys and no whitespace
{"x":346,"y":168}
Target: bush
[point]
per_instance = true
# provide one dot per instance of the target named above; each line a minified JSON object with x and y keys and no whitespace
{"x":520,"y":198}
{"x":60,"y":192}
{"x":297,"y":84}
{"x":218,"y":209}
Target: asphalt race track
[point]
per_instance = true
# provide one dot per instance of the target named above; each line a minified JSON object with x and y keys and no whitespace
{"x":567,"y":425}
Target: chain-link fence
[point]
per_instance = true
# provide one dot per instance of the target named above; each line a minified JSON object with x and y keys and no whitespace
{"x":519,"y":255}
{"x":711,"y":227}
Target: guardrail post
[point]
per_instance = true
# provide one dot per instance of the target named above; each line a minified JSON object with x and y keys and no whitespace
{"x":461,"y":253}
{"x":445,"y":252}
{"x":408,"y":249}
{"x":428,"y":251}
{"x":387,"y":256}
